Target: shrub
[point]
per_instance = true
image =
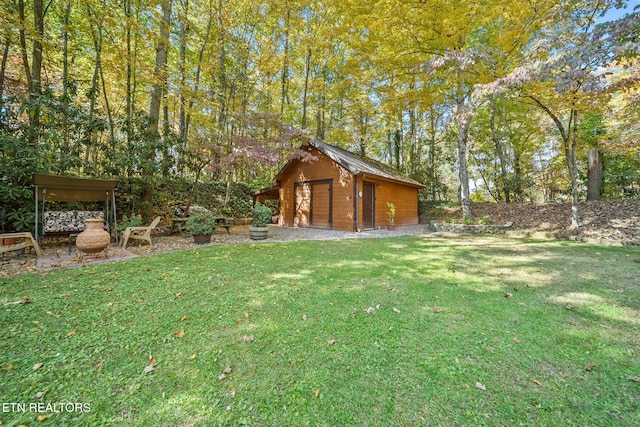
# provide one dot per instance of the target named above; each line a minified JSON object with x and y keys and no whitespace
{"x":261,"y":215}
{"x":200,"y":224}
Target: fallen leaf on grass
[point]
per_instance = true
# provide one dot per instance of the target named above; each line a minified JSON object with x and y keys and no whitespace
{"x":7,"y":367}
{"x":316,"y":394}
{"x":224,"y":373}
{"x":71,"y":333}
{"x":193,"y":357}
{"x":179,"y":334}
{"x":568,"y":306}
{"x":396,"y":310}
{"x":516,"y":340}
{"x":633,"y":378}
{"x":589,"y":367}
{"x":304,"y":317}
{"x":537,"y":382}
{"x":149,"y":368}
{"x":480,"y":386}
{"x":99,"y":364}
{"x":246,"y":314}
{"x":331,"y":342}
{"x":38,"y":366}
{"x":42,"y":418}
{"x":249,"y":338}
{"x":22,"y":301}
{"x":508,"y":295}
{"x":436,"y":309}
{"x":183,"y":318}
{"x":152,"y":360}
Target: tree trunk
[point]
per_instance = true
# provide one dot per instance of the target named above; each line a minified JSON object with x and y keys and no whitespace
{"x":23,"y":46}
{"x":129,"y":96}
{"x":160,"y":74}
{"x":569,"y":142}
{"x":320,"y":116}
{"x":517,"y":175}
{"x":432,"y":154}
{"x":397,"y":148}
{"x":36,"y":68}
{"x":112,"y":132}
{"x":3,"y":68}
{"x":34,"y":78}
{"x":157,"y":91}
{"x":594,"y":175}
{"x":285,"y":61}
{"x":463,"y":119}
{"x":570,"y":150}
{"x":196,"y":85}
{"x":307,"y":72}
{"x":184,"y":30}
{"x":65,"y":79}
{"x":501,"y":155}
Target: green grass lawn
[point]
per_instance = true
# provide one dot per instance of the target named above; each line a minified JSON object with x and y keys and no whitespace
{"x":398,"y":331}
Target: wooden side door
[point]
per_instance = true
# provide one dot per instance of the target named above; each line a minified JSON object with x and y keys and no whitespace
{"x":368,"y":205}
{"x":321,"y":204}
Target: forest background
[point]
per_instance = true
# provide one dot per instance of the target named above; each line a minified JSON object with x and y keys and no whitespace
{"x":502,"y":100}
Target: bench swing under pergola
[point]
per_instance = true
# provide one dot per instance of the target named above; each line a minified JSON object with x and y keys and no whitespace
{"x":50,"y":188}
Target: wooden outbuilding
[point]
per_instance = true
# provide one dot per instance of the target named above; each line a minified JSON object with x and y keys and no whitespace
{"x":341,"y":191}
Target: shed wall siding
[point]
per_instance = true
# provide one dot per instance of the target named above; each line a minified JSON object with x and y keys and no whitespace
{"x":405,"y":198}
{"x":321,"y":169}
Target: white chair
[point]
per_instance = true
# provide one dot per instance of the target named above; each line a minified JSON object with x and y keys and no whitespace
{"x":141,"y":233}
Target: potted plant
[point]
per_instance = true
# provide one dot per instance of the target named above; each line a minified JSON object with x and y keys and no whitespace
{"x":261,"y":217}
{"x":200,"y":225}
{"x":391,"y":216}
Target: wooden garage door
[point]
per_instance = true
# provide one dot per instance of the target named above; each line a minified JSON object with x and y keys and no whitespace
{"x":313,"y":204}
{"x":302,"y":204}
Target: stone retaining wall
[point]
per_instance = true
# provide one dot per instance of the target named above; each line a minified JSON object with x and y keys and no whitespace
{"x":470,"y":228}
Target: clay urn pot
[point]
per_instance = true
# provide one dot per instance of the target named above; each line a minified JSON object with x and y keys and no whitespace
{"x":94,"y":238}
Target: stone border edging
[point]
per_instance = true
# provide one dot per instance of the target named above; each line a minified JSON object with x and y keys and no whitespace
{"x":469,"y":228}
